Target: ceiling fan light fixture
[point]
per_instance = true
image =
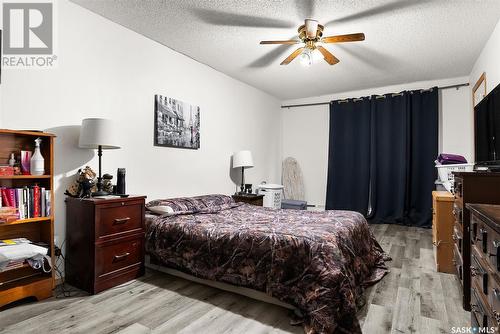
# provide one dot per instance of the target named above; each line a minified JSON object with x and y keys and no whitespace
{"x":306,"y":58}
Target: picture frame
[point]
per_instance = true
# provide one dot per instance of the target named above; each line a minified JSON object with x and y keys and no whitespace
{"x":479,"y":90}
{"x":177,"y":123}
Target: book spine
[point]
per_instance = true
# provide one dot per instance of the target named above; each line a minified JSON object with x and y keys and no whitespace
{"x":48,"y":204}
{"x":36,"y":201}
{"x":5,"y":198}
{"x":20,"y":206}
{"x":12,"y":198}
{"x":30,"y":192}
{"x":25,"y":203}
{"x":43,"y":213}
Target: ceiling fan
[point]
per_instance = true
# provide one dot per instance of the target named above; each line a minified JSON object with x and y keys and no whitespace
{"x":311,"y":33}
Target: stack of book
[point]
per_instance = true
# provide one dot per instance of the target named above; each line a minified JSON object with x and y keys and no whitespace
{"x":8,"y":214}
{"x":30,"y":202}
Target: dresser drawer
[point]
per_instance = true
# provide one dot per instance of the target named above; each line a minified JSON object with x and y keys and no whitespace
{"x":117,"y":255}
{"x":118,"y":218}
{"x":480,"y":314}
{"x":494,"y":297}
{"x":492,"y":248}
{"x":458,"y":237}
{"x":479,"y":272}
{"x":457,"y":212}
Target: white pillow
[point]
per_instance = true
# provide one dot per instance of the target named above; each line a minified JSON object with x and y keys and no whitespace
{"x":162,"y":210}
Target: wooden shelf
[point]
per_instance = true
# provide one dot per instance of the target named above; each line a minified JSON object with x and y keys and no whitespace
{"x":26,"y":221}
{"x":24,"y":177}
{"x":38,"y":286}
{"x":26,"y":133}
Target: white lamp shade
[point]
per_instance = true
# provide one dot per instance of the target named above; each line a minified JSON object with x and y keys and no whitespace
{"x":242,"y":159}
{"x":97,"y":132}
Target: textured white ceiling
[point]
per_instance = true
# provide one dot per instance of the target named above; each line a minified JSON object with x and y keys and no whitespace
{"x":406,"y":41}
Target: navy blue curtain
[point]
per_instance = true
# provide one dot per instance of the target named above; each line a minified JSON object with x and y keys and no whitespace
{"x":349,"y":151}
{"x":403,"y":140}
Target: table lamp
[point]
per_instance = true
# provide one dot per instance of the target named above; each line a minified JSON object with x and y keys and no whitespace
{"x":98,"y":133}
{"x":244,"y":160}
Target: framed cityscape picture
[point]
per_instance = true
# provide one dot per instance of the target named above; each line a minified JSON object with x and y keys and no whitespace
{"x":177,"y":123}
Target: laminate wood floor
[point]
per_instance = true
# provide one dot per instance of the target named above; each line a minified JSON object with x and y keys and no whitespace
{"x":412,"y":298}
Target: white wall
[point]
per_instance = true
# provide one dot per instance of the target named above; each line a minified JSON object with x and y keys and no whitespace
{"x":305,"y":129}
{"x":108,"y":71}
{"x":489,"y":61}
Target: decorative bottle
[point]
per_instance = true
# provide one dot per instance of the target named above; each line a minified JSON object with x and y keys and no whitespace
{"x":37,"y":161}
{"x":12,"y":160}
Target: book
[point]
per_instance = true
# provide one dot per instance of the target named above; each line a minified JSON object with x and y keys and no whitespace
{"x":48,"y":204}
{"x":42,"y":202}
{"x":25,"y":203}
{"x":12,"y":197}
{"x":36,"y":201}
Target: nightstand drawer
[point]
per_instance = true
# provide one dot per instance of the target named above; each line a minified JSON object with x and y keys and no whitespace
{"x":118,"y":255}
{"x":118,"y":218}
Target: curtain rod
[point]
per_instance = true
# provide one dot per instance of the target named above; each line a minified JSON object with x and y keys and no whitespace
{"x":457,"y":86}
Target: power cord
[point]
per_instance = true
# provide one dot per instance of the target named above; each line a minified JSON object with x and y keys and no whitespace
{"x":63,"y":290}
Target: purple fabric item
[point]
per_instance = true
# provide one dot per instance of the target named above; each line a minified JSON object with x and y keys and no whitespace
{"x":449,"y":159}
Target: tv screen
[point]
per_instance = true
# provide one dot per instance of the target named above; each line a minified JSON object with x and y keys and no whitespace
{"x":487,"y":129}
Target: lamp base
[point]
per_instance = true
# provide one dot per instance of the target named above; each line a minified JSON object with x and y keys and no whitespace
{"x":100,"y":193}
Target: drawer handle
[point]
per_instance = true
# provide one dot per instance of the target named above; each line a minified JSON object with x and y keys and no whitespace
{"x":496,"y":315}
{"x":496,"y":293}
{"x":121,"y":256}
{"x":474,"y":308}
{"x":496,"y":243}
{"x":119,"y":221}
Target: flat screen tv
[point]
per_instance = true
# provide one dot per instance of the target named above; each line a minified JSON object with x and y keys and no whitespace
{"x":487,"y":130}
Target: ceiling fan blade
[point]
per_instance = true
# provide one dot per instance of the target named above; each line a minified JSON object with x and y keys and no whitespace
{"x":344,"y":38}
{"x":329,"y":58}
{"x":281,"y":42}
{"x":292,"y":56}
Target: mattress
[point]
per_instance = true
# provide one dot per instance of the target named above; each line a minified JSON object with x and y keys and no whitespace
{"x":318,"y":262}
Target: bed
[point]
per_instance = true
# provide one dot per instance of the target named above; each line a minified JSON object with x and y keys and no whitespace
{"x":319,"y":262}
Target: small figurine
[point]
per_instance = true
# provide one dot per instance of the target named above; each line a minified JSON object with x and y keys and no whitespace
{"x":84,"y":185}
{"x":12,"y":160}
{"x":107,"y":186}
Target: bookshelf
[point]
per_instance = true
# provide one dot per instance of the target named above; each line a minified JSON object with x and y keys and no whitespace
{"x":24,"y":282}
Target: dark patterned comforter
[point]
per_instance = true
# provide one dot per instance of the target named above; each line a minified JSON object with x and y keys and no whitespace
{"x":317,"y":261}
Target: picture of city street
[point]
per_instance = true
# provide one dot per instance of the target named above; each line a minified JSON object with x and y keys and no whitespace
{"x":177,"y":123}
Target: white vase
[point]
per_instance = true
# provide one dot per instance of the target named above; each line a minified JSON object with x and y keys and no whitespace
{"x":37,"y":162}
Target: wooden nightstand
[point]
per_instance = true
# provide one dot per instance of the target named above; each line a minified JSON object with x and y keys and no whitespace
{"x":250,"y":199}
{"x":104,"y":242}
